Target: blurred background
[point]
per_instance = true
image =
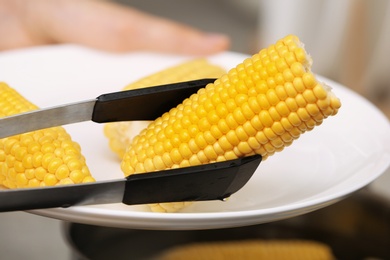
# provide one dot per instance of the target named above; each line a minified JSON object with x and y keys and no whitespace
{"x":349,"y":41}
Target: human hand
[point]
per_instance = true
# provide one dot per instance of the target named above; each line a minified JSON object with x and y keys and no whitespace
{"x":99,"y":24}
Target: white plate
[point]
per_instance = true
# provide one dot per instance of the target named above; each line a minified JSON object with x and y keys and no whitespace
{"x":341,"y":156}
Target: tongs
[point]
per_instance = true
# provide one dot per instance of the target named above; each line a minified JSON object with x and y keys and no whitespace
{"x":214,"y":181}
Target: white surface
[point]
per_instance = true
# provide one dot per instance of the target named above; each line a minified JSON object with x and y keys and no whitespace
{"x":344,"y":154}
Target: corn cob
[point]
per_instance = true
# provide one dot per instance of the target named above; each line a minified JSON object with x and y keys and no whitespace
{"x":260,"y":106}
{"x":251,"y":249}
{"x":40,"y":158}
{"x":120,"y":134}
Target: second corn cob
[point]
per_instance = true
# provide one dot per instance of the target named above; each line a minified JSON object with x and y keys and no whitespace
{"x":251,"y":249}
{"x":260,"y":106}
{"x":40,"y":158}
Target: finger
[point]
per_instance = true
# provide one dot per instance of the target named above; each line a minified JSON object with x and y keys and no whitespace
{"x":112,"y":27}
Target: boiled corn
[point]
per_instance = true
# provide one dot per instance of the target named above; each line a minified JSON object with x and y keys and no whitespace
{"x":260,"y":106}
{"x":120,"y":134}
{"x":251,"y":249}
{"x":40,"y":158}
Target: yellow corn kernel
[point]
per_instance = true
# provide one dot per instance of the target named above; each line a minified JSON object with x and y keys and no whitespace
{"x":280,"y":114}
{"x":37,"y":158}
{"x":121,"y":134}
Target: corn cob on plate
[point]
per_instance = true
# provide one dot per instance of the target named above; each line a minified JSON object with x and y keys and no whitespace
{"x":36,"y":153}
{"x":319,"y":169}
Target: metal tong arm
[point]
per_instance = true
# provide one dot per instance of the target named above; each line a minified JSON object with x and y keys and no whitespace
{"x":197,"y":183}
